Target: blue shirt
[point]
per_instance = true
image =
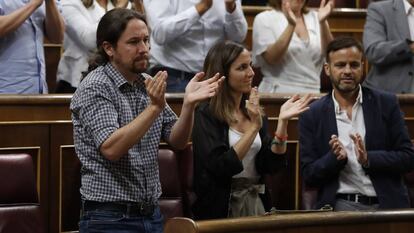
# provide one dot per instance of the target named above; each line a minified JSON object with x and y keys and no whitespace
{"x":22,"y":59}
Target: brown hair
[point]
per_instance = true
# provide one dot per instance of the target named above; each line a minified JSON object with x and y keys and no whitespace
{"x":110,"y":28}
{"x":277,"y":4}
{"x":219,"y":60}
{"x":343,"y":42}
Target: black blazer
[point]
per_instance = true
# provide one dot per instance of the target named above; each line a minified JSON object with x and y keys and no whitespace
{"x":387,"y":142}
{"x":215,"y":163}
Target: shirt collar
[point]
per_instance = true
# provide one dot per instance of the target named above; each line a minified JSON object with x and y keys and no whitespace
{"x":336,"y":104}
{"x":407,"y":7}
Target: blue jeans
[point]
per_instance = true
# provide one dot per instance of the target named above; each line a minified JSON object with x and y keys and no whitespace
{"x":102,"y":221}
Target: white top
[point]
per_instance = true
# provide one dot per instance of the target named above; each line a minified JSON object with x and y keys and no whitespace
{"x":80,"y":38}
{"x":249,"y":167}
{"x":180,"y":38}
{"x":352,"y":179}
{"x":299,"y":69}
{"x":409,"y":10}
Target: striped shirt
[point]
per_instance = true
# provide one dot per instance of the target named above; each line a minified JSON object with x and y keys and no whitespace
{"x":103,"y":103}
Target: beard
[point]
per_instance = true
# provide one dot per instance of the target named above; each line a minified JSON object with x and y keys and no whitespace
{"x":140,"y":65}
{"x":344,"y":87}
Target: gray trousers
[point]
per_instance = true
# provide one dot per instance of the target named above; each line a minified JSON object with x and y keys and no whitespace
{"x":345,"y":205}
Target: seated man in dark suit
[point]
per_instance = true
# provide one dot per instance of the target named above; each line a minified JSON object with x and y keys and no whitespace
{"x":354,"y":144}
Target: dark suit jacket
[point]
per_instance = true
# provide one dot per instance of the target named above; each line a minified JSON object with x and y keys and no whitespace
{"x":385,"y":33}
{"x":387,"y":142}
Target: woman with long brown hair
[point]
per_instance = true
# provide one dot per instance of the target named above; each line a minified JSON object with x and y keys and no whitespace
{"x":232,"y":150}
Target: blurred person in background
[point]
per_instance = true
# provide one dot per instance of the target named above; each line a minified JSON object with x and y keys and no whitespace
{"x":288,"y":45}
{"x":23,"y":25}
{"x":81,"y":18}
{"x":184,"y":30}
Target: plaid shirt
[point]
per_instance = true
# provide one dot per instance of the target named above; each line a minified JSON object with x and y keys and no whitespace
{"x":103,"y":103}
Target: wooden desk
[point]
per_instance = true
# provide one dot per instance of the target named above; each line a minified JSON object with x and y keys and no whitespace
{"x":339,"y":222}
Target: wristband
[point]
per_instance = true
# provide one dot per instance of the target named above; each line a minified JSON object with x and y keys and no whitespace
{"x":281,"y":138}
{"x":277,"y":142}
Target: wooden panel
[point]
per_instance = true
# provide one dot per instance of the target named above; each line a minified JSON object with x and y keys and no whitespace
{"x":35,"y":108}
{"x":63,"y":164}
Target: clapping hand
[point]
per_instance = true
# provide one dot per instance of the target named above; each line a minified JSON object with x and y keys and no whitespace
{"x":325,"y":9}
{"x":287,"y":11}
{"x":156,"y":89}
{"x":253,"y":109}
{"x":360,"y":150}
{"x":337,"y":148}
{"x":294,"y":106}
{"x":198,"y":89}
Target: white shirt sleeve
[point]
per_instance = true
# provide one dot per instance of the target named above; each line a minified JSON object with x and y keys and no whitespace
{"x":263,"y":36}
{"x":235,"y":26}
{"x":78,"y":26}
{"x":165,"y":23}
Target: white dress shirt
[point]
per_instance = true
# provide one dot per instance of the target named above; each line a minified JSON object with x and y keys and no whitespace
{"x":352,"y":179}
{"x":180,"y":38}
{"x":409,"y":10}
{"x":300,"y":67}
